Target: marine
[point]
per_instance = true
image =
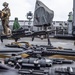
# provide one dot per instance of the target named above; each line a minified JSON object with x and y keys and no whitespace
{"x":5,"y":17}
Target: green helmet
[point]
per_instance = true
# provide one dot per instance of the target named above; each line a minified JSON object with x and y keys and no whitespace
{"x":5,"y":4}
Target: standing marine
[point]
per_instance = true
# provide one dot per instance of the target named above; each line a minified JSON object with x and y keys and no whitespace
{"x":5,"y":17}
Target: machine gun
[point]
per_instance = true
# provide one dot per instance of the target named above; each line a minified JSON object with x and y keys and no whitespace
{"x":65,"y":71}
{"x":39,"y":51}
{"x":21,"y":33}
{"x":5,"y":70}
{"x":48,"y":52}
{"x":55,"y":71}
{"x":34,"y":63}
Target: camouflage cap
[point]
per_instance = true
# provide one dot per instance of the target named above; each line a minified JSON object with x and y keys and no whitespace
{"x":5,"y":4}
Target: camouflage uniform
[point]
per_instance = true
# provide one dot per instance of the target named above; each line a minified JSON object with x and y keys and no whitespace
{"x":5,"y":17}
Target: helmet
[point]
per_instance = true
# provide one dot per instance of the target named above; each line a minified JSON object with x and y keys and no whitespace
{"x":5,"y":4}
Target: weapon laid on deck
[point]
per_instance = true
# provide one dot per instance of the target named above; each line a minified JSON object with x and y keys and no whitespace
{"x":34,"y":63}
{"x":60,"y":71}
{"x":55,"y":71}
{"x":49,"y":52}
{"x":68,"y":54}
{"x":66,"y":71}
{"x":5,"y":70}
{"x":26,"y":45}
{"x":37,"y":52}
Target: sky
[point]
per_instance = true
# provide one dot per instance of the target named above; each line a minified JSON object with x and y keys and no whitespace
{"x":19,"y":8}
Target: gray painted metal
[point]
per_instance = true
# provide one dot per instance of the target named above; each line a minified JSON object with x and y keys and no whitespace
{"x":70,"y":28}
{"x":73,"y":17}
{"x":42,"y":15}
{"x":73,"y":12}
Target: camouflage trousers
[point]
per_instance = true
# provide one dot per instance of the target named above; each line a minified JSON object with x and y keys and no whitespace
{"x":5,"y":24}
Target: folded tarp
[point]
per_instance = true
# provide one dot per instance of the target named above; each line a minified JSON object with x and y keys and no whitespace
{"x":42,"y":14}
